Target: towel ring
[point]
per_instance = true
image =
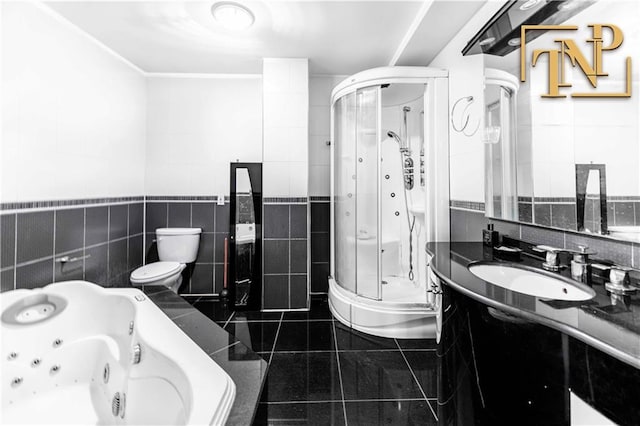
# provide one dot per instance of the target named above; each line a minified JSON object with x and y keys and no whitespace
{"x":464,"y":115}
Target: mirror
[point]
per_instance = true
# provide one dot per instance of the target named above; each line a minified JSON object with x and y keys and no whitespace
{"x":591,"y":198}
{"x":577,"y":159}
{"x":501,"y":198}
{"x":246,"y":236}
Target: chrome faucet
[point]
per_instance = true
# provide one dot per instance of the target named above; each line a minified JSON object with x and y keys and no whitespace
{"x":619,"y":282}
{"x":552,"y":258}
{"x":619,"y":287}
{"x":580,"y":266}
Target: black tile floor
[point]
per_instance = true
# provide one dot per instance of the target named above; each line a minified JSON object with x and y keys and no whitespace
{"x":323,"y":373}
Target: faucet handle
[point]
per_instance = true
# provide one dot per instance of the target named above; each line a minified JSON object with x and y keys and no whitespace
{"x":619,"y":282}
{"x":552,"y":260}
{"x":549,"y":249}
{"x":619,"y":275}
{"x":582,"y":254}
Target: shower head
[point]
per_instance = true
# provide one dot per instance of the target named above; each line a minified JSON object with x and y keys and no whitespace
{"x":401,"y":145}
{"x":395,"y":136}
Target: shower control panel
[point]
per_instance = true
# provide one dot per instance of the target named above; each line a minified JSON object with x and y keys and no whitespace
{"x":408,"y":172}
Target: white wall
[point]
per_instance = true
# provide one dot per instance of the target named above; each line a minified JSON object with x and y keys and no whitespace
{"x":73,"y":122}
{"x":196,"y":127}
{"x":286,"y":127}
{"x":562,"y":132}
{"x":466,"y":78}
{"x":320,"y":88}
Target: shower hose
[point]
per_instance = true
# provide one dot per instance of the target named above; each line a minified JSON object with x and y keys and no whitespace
{"x":410,"y":222}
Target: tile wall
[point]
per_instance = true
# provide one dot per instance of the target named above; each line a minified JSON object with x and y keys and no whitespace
{"x":104,"y":236}
{"x":320,"y":244}
{"x":205,"y":276}
{"x":73,"y":112}
{"x":195,"y":127}
{"x":285,"y":121}
{"x":286,"y":262}
{"x":560,"y":212}
{"x":467,"y":225}
{"x":320,"y":88}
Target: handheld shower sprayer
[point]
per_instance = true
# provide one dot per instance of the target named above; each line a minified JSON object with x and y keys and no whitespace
{"x":401,"y":142}
{"x":395,"y":136}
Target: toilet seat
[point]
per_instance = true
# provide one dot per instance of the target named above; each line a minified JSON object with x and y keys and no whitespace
{"x":155,"y":271}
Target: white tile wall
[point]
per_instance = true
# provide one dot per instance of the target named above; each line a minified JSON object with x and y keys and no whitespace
{"x":571,"y":131}
{"x":466,"y":165}
{"x":286,"y":125}
{"x":320,"y":88}
{"x":73,"y":122}
{"x":466,"y":152}
{"x":557,"y":132}
{"x":195,"y":128}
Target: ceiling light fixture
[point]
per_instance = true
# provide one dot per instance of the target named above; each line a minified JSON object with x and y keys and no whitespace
{"x":232,"y":16}
{"x":515,"y":42}
{"x":529,"y":4}
{"x":487,"y":41}
{"x":567,"y":5}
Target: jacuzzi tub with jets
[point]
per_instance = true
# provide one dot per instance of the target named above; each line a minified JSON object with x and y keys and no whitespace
{"x":76,"y":353}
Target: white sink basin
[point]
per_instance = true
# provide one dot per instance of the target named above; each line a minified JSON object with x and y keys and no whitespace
{"x":531,"y":282}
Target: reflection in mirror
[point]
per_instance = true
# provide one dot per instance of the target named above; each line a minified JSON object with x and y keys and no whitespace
{"x":591,"y":198}
{"x":556,"y":134}
{"x":245,"y":237}
{"x":499,"y":136}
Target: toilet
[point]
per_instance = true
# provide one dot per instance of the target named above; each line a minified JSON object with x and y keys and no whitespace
{"x":176,"y":248}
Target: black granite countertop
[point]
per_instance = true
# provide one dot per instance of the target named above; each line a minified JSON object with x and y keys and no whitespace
{"x":246,"y":368}
{"x":611,"y":329}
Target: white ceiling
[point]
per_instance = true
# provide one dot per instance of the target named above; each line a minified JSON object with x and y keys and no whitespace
{"x":338,"y":37}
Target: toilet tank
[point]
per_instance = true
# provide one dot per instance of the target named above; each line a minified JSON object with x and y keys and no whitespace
{"x":178,"y":244}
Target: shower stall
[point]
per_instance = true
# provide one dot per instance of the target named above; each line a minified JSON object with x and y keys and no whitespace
{"x":389,"y":196}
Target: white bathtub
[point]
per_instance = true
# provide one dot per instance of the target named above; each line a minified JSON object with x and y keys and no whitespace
{"x":54,"y":370}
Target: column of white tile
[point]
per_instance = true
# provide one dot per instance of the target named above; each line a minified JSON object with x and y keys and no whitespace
{"x":286,"y":125}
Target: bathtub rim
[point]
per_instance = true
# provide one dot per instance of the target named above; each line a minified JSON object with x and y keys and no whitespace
{"x":151,"y":323}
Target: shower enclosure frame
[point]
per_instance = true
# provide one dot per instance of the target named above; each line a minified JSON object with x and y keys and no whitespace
{"x":374,"y":315}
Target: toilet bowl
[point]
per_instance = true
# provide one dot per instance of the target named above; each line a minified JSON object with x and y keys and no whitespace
{"x":176,"y":248}
{"x":168,"y":274}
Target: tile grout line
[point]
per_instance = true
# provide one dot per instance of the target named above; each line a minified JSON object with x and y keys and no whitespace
{"x":289,"y":254}
{"x":228,"y":320}
{"x":15,"y":251}
{"x":53,"y":256}
{"x":275,"y":340}
{"x":108,"y":244}
{"x":53,"y":271}
{"x":335,"y":343}
{"x":84,"y":243}
{"x":128,"y":237}
{"x":339,"y":400}
{"x":182,"y":315}
{"x":351,"y":350}
{"x":222,"y":349}
{"x":42,"y":259}
{"x":416,"y":379}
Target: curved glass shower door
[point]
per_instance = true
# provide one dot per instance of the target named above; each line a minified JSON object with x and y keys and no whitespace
{"x":356,"y":159}
{"x":345,"y":191}
{"x":367,"y":203}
